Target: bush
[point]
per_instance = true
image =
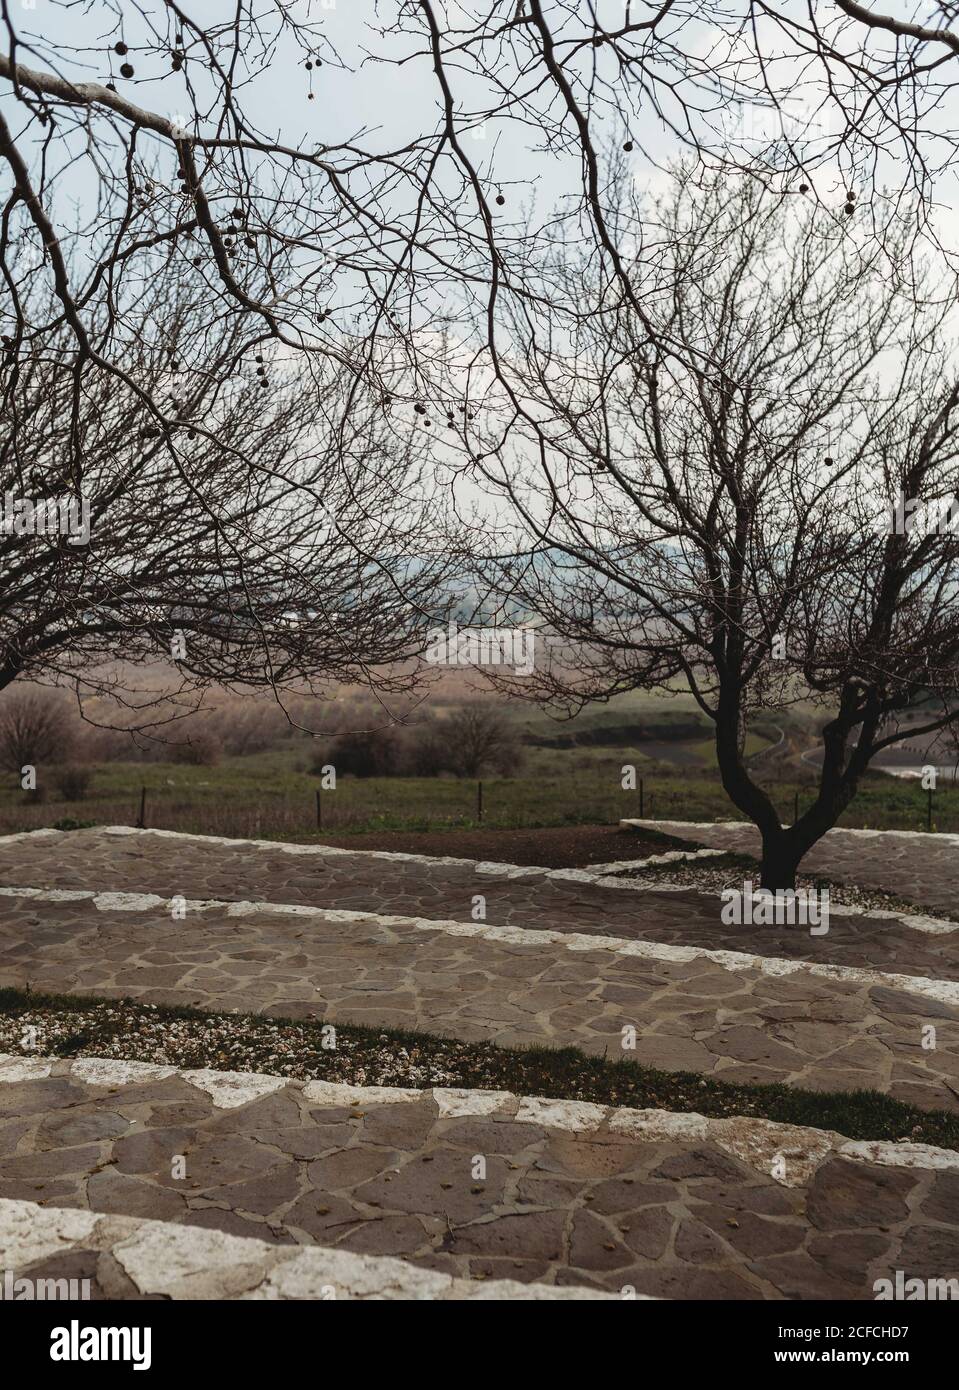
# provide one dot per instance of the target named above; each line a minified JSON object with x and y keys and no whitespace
{"x":34,"y":728}
{"x":480,"y":739}
{"x":73,"y":783}
{"x":426,"y":750}
{"x":202,"y":750}
{"x":253,"y":727}
{"x":370,"y":753}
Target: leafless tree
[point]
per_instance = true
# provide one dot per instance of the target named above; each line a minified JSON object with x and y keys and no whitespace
{"x":137,"y":113}
{"x":34,"y":729}
{"x":844,"y":89}
{"x":258,"y":536}
{"x":133,"y":133}
{"x":359,"y":249}
{"x":735,"y":525}
{"x":840,"y":104}
{"x":479,"y":739}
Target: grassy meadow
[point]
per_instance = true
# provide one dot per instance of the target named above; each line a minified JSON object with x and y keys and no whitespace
{"x":565,"y":778}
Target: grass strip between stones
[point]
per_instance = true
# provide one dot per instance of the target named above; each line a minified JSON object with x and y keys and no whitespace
{"x":69,"y":1026}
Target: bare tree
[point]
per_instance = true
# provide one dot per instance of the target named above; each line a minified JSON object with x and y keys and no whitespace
{"x":134,"y":133}
{"x":843,"y":89}
{"x":261,"y":536}
{"x":767,"y":530}
{"x":479,"y":739}
{"x":154,"y":116}
{"x":838,"y":104}
{"x":34,"y":728}
{"x":359,"y":249}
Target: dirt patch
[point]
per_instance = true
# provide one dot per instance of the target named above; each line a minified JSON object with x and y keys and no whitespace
{"x":555,"y":847}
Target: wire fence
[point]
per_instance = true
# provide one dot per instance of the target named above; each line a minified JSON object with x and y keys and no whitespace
{"x":299,"y":808}
{"x":511,"y":803}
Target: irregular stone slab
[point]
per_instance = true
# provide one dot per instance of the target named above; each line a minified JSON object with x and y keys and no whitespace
{"x":658,"y":1124}
{"x":790,"y":1153}
{"x":575,"y":1115}
{"x":902,"y":1155}
{"x":232,"y":1088}
{"x":14,"y":1069}
{"x":296,"y":878}
{"x":192,"y":1262}
{"x":28,"y":1233}
{"x":341,"y":1093}
{"x":689,"y":1008}
{"x":454,"y":1102}
{"x":463,"y":1186}
{"x":100,"y":1071}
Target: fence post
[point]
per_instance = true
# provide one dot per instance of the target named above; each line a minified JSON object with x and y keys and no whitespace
{"x":319,"y":808}
{"x":142,"y":822}
{"x":929,"y":811}
{"x":479,"y":802}
{"x":641,"y":803}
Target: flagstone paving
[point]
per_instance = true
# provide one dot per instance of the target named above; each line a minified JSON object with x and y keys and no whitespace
{"x":919,"y":867}
{"x":739,"y":1018}
{"x":478,"y":1186}
{"x":197,"y":867}
{"x":127,"y":1257}
{"x":368,"y":938}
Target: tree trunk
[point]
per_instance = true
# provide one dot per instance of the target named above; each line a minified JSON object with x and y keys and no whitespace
{"x":780,"y":860}
{"x":783,"y":848}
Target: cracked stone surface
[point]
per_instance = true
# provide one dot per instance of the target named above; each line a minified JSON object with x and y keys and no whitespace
{"x":740,"y":1024}
{"x":921,"y":868}
{"x":535,"y":1192}
{"x":568,"y":901}
{"x":136,"y":1258}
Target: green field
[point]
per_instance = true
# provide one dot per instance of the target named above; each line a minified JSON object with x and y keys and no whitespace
{"x":569,"y":772}
{"x":273,"y":795}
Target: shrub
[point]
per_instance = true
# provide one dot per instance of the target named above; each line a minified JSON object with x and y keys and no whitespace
{"x":252,"y":727}
{"x":202,"y":749}
{"x":73,"y":782}
{"x":425,"y":750}
{"x":479,"y":739}
{"x":34,"y":728}
{"x":368,"y":753}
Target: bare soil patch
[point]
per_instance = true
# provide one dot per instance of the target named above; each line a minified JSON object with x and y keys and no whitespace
{"x":554,"y":847}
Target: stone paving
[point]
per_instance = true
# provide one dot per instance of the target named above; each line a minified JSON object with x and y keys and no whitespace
{"x":471,"y":1186}
{"x":740,"y":1018}
{"x":158,"y":1183}
{"x":921,"y":868}
{"x":122,"y":1257}
{"x":559,"y":900}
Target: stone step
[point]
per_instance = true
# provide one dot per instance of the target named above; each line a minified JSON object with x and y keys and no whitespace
{"x":739,"y":1017}
{"x":468,"y":1186}
{"x":166,"y":865}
